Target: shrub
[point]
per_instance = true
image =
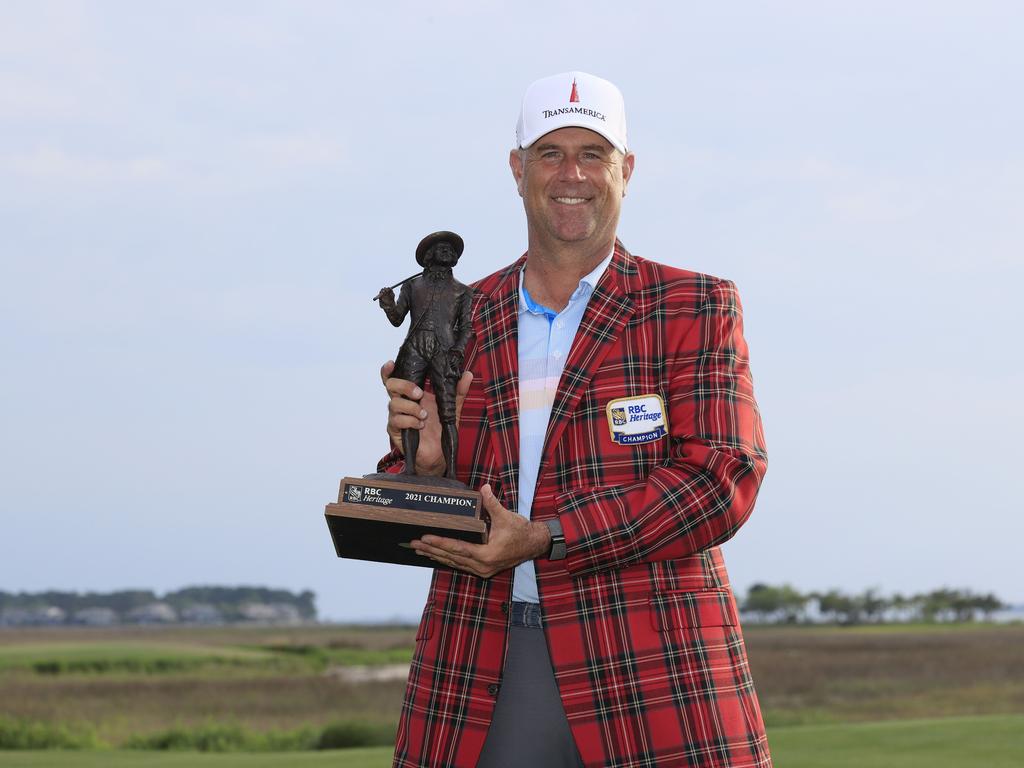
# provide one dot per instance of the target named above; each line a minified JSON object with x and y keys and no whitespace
{"x":356,"y":734}
{"x":212,"y":737}
{"x":223,"y":737}
{"x":154,"y":666}
{"x":21,"y":734}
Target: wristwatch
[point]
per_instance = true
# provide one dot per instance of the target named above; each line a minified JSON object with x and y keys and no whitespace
{"x":557,"y":551}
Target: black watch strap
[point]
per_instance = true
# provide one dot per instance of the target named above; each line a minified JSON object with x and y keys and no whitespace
{"x":557,"y":551}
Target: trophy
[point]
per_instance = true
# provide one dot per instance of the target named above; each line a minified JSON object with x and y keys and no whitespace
{"x":377,"y":515}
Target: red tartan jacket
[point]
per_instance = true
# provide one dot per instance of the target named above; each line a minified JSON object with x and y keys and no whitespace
{"x":639,"y":618}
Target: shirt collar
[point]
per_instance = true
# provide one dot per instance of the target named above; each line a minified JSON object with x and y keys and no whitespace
{"x":586,"y":286}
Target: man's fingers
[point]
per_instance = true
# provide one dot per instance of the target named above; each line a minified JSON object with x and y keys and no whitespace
{"x":456,"y":554}
{"x":491,"y":503}
{"x":449,"y":546}
{"x":405,"y":410}
{"x":402,"y":388}
{"x":432,"y":552}
{"x":398,"y":387}
{"x":461,"y":390}
{"x":399,"y":406}
{"x":453,"y":548}
{"x":405,"y":414}
{"x":397,"y":423}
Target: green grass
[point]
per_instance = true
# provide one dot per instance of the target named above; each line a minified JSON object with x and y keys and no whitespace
{"x":225,"y":737}
{"x":378,"y":757}
{"x":166,"y":658}
{"x":888,"y":628}
{"x":21,"y":735}
{"x":967,"y":742}
{"x":207,"y":737}
{"x":142,"y":658}
{"x":320,"y":657}
{"x":265,"y":690}
{"x":18,"y":655}
{"x":964,"y":742}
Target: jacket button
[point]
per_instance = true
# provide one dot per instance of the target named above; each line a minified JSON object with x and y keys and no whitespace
{"x":493,"y":689}
{"x":504,"y":608}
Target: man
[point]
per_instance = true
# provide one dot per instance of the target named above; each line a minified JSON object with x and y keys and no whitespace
{"x":436,"y":342}
{"x":607,"y":417}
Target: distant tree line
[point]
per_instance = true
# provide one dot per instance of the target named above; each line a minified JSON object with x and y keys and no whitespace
{"x":787,"y":605}
{"x":196,"y":605}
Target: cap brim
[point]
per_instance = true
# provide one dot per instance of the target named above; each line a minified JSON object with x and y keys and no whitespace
{"x":604,"y":134}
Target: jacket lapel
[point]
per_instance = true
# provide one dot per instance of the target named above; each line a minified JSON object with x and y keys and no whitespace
{"x":608,"y":310}
{"x":498,"y":323}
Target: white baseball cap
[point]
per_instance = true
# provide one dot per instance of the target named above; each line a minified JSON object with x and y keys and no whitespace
{"x":573,"y":99}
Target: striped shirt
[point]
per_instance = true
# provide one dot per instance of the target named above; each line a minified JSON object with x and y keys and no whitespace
{"x":545,"y":338}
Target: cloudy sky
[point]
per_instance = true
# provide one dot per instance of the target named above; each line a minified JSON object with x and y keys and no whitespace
{"x":197,"y":201}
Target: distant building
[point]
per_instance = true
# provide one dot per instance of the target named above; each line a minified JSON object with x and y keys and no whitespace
{"x":201,"y":613}
{"x":153,"y":613}
{"x":14,"y":617}
{"x":96,"y":617}
{"x":42,"y":616}
{"x":202,"y":606}
{"x":270,"y":613}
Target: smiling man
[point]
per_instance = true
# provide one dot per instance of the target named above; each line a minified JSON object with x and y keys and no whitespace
{"x":608,"y":419}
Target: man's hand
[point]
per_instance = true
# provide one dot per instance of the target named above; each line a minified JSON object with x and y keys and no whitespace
{"x":410,"y":407}
{"x":512,"y":540}
{"x":386,"y":298}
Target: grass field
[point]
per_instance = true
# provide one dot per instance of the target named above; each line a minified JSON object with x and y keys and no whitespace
{"x":823,"y":690}
{"x":996,"y":741}
{"x":979,"y":742}
{"x":148,"y":651}
{"x":822,"y":675}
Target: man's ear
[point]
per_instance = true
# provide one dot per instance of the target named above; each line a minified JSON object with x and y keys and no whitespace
{"x":627,"y":170}
{"x":515,"y":162}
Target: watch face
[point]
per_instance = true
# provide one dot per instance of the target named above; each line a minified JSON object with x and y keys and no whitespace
{"x":557,"y":548}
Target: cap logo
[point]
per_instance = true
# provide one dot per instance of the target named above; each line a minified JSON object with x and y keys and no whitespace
{"x":574,"y":96}
{"x":572,"y":111}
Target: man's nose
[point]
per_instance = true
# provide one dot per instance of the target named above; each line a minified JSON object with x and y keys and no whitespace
{"x":570,"y":169}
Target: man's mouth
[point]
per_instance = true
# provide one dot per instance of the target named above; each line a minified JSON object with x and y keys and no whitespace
{"x":570,"y":200}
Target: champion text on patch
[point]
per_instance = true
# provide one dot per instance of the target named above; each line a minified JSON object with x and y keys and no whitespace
{"x":635,"y":420}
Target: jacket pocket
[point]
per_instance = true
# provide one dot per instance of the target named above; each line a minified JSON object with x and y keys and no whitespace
{"x":700,"y":608}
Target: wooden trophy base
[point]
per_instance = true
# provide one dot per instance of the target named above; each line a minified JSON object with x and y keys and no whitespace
{"x":377,"y":516}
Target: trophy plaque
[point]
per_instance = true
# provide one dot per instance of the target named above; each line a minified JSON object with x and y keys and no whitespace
{"x":375,"y":519}
{"x":377,"y":515}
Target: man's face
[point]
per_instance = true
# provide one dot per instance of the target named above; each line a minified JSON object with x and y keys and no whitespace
{"x":572,"y":182}
{"x":441,"y":254}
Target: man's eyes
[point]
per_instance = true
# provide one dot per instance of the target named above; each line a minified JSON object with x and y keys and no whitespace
{"x":586,"y":156}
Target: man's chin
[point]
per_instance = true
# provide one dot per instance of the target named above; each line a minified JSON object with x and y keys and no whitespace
{"x":575,"y":233}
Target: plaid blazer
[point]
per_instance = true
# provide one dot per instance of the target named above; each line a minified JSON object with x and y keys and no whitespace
{"x":640,"y":619}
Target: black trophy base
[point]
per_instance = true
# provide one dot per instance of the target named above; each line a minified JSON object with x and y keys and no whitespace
{"x":377,"y":516}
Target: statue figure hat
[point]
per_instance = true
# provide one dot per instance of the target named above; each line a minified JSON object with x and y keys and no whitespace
{"x":439,"y":237}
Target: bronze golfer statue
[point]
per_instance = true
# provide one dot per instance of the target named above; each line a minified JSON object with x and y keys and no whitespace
{"x":434,"y":347}
{"x":376,"y":515}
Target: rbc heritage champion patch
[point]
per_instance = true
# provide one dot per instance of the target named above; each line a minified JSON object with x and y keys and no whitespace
{"x":635,"y":420}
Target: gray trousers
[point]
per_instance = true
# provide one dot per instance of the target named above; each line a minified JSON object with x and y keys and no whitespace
{"x":529,"y":726}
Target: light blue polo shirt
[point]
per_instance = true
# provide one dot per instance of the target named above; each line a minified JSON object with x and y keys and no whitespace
{"x":545,"y":337}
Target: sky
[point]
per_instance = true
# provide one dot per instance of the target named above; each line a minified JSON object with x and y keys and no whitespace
{"x":198,"y":201}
